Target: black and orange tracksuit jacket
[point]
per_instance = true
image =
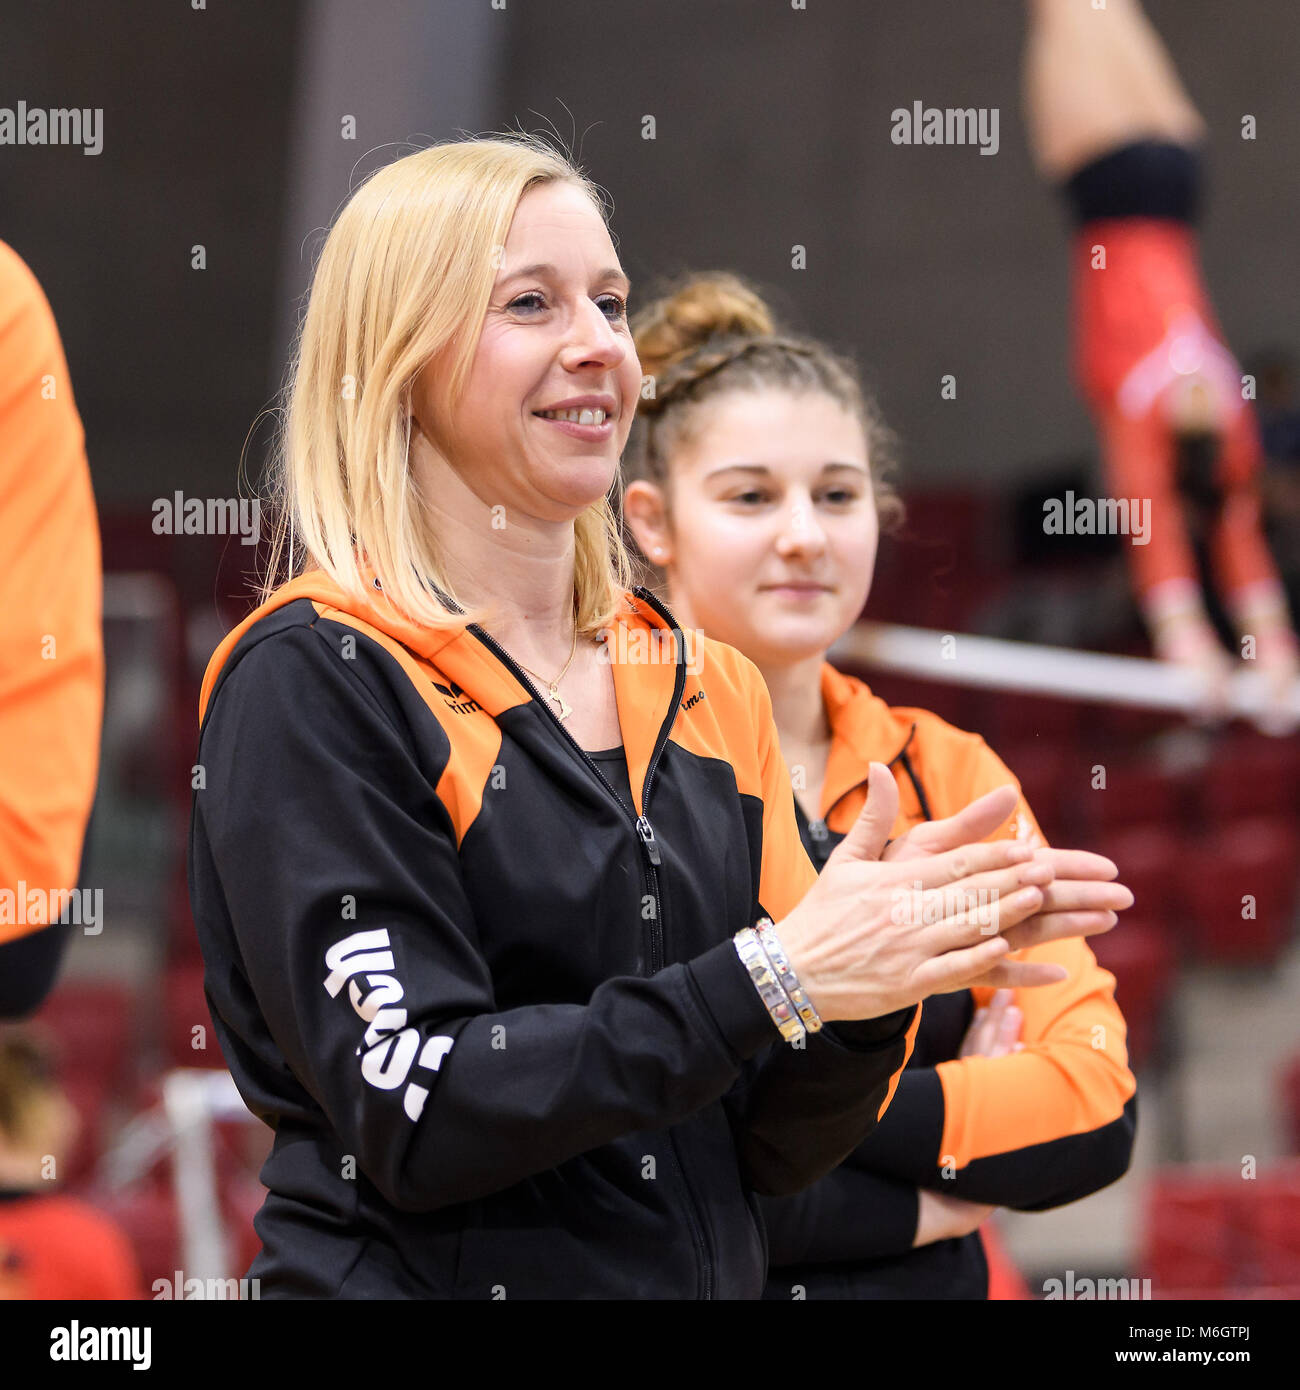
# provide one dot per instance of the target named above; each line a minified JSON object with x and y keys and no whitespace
{"x":1032,"y":1130}
{"x":495,"y":1019}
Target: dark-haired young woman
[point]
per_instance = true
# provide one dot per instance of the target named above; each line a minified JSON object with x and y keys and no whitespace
{"x":758,"y":491}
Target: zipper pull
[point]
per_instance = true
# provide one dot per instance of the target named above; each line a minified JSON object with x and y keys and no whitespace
{"x":647,"y":834}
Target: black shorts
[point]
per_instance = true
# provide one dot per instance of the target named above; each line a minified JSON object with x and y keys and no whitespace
{"x":1147,"y":178}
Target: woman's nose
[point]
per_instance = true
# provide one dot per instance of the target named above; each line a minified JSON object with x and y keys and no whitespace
{"x":593,"y":339}
{"x":800,"y":530}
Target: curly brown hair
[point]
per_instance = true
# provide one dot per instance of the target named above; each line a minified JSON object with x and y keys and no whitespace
{"x":711,"y":333}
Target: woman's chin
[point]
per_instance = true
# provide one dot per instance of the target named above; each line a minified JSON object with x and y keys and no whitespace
{"x":579,"y":484}
{"x":783,"y":642}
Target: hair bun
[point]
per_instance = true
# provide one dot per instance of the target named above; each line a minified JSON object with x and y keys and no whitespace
{"x":705,"y":305}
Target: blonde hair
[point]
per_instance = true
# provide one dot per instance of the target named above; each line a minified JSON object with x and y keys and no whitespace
{"x":406,"y":273}
{"x":710,"y":333}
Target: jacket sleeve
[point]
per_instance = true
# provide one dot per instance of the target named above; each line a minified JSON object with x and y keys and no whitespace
{"x":319,"y":833}
{"x":1035,"y":1129}
{"x":51,"y":649}
{"x":802,"y":1110}
{"x":850,"y":1214}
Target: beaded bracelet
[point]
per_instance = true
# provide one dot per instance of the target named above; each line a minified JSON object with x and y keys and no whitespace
{"x":785,"y":973}
{"x":753,"y":957}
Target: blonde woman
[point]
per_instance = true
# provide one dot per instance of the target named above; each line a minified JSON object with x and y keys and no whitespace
{"x":479,"y":845}
{"x":759,"y":491}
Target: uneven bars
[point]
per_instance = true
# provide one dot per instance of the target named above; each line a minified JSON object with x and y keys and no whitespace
{"x":993,"y":664}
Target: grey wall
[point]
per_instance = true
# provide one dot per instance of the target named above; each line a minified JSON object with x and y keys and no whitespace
{"x":222,"y":127}
{"x":774,"y":128}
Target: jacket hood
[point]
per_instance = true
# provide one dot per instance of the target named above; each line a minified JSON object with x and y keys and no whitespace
{"x":452,"y":649}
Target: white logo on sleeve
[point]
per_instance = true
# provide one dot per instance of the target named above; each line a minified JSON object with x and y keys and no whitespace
{"x":392,"y":1048}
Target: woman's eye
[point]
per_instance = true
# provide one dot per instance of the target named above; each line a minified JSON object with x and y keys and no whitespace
{"x":753,"y":495}
{"x":519,"y":303}
{"x":611,"y":305}
{"x":840,"y":496}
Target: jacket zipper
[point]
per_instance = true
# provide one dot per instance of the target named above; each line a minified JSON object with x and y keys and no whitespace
{"x":652,"y":858}
{"x":640,"y":824}
{"x":693,"y":1206}
{"x":818,"y":829}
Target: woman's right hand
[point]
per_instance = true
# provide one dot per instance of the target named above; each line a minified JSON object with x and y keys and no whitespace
{"x":865,"y":942}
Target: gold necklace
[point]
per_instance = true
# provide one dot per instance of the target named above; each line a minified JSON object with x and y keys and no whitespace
{"x":552,"y":687}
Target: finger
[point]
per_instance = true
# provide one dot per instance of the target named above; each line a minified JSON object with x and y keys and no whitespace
{"x":1073,"y":895}
{"x":973,"y":1042}
{"x":986,"y":1040}
{"x":913,"y":844}
{"x":868,"y":834}
{"x":1022,"y":974}
{"x":1044,"y":927}
{"x":970,"y":894}
{"x":987,"y":1032}
{"x":954,"y":970}
{"x":1081,"y":863}
{"x":968,"y":921}
{"x":968,"y":860}
{"x":1009,"y":1031}
{"x":974,"y":822}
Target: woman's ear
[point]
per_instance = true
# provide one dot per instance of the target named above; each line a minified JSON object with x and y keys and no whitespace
{"x":647,"y":518}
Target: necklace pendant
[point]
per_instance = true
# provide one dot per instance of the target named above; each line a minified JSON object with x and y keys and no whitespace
{"x":565,"y":708}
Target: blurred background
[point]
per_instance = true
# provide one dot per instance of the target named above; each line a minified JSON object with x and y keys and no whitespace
{"x":240,"y":127}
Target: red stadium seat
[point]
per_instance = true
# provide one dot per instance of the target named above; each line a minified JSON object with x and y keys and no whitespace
{"x":148,"y":1216}
{"x":185,"y":1009}
{"x":241,"y":1201}
{"x":1044,"y":769}
{"x":1192,"y":1237}
{"x":1272,"y":1210}
{"x":1239,"y":890}
{"x":89,"y":1100}
{"x":1019,"y":719}
{"x":1251,"y":775}
{"x":182,"y":937}
{"x":1141,"y":954}
{"x":1151,"y":862}
{"x":1289,"y":1086}
{"x":1135,"y":793}
{"x":91,"y":1028}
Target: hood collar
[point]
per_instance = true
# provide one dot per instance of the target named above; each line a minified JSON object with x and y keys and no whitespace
{"x":371,"y":606}
{"x":861,"y":725}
